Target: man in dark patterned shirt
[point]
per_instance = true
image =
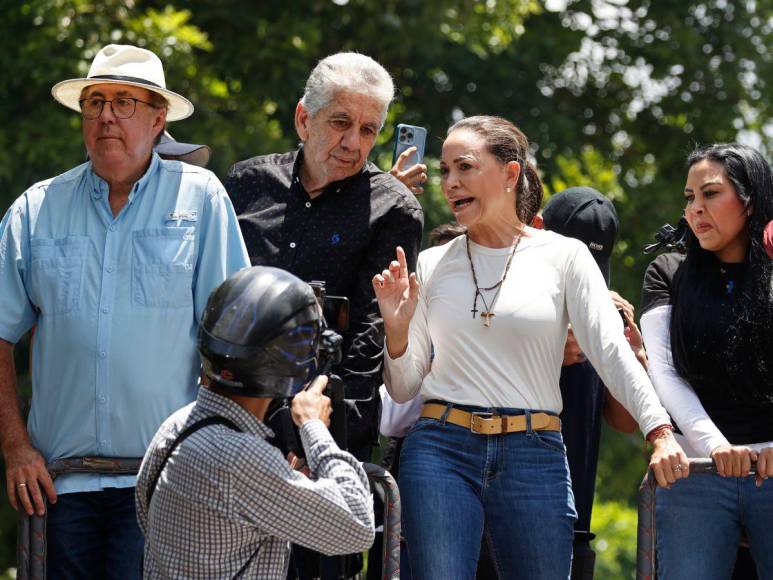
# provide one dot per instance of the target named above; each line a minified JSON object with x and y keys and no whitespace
{"x":324,"y":212}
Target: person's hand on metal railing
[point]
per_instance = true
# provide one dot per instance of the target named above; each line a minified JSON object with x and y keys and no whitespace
{"x":31,"y":532}
{"x":668,"y":461}
{"x":739,"y":461}
{"x":764,"y":461}
{"x":732,"y":460}
{"x":645,"y":539}
{"x":27,"y":480}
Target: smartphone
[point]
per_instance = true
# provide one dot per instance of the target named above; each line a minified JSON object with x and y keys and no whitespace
{"x":622,"y":315}
{"x":409,"y":136}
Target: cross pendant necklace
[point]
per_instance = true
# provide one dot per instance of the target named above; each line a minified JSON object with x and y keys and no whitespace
{"x":488,"y":313}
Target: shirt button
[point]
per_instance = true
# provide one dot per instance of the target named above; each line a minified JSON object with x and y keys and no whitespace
{"x":292,"y":244}
{"x":105,"y":310}
{"x":112,"y":228}
{"x":102,"y":354}
{"x":308,"y":204}
{"x":103,"y":442}
{"x":110,"y":269}
{"x":102,"y":398}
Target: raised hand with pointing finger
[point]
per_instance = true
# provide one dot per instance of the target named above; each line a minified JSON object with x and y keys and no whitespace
{"x":397,"y":292}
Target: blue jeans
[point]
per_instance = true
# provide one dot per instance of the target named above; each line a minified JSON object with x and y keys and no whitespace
{"x":94,"y":535}
{"x":515,"y":488}
{"x":699,"y":523}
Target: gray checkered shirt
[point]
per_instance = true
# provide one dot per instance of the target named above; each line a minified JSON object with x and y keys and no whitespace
{"x":227,"y":498}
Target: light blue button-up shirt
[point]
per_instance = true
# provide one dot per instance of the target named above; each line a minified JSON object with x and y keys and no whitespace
{"x":116,"y":303}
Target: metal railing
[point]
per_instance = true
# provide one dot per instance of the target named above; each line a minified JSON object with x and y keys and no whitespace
{"x":646,"y":530}
{"x":31,"y":531}
{"x":386,"y":487}
{"x":31,"y":534}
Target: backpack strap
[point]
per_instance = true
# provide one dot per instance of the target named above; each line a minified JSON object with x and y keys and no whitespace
{"x":187,"y":432}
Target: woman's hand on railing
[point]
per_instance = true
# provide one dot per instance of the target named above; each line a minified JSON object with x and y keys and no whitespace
{"x":733,"y":460}
{"x":668,"y":461}
{"x":764,"y":459}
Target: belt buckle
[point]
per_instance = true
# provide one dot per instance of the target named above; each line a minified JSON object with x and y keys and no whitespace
{"x":539,"y":421}
{"x":481,"y":415}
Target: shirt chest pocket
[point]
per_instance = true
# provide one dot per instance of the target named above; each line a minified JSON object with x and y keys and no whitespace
{"x":163,"y":261}
{"x":57,"y":273}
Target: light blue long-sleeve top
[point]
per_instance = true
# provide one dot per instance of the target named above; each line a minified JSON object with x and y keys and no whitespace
{"x":116,"y":303}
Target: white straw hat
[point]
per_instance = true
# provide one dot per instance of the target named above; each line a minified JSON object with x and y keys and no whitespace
{"x":122,"y":64}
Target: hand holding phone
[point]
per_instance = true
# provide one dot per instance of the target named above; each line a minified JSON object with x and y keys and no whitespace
{"x":624,"y":308}
{"x":621,"y":312}
{"x":408,"y":157}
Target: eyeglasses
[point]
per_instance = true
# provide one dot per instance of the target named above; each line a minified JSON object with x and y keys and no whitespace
{"x":122,"y":107}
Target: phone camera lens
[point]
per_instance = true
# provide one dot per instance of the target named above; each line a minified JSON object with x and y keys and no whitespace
{"x":410,"y":135}
{"x":403,"y":130}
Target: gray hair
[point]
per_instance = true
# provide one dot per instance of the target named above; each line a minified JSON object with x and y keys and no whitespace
{"x":351,"y":72}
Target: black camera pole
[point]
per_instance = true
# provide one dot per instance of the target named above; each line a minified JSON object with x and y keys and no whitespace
{"x":337,"y":393}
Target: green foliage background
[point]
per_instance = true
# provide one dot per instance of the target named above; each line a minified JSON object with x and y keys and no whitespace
{"x":613,"y":94}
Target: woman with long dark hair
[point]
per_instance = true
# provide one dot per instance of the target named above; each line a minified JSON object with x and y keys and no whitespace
{"x":708,"y":328}
{"x":479,"y":332}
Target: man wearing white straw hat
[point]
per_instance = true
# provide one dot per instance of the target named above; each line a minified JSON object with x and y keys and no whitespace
{"x":112,"y":263}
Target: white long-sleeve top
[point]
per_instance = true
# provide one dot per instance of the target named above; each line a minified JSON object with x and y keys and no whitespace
{"x":700,"y":435}
{"x":516,"y":362}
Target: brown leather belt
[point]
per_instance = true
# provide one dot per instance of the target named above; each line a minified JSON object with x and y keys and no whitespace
{"x":489,"y":423}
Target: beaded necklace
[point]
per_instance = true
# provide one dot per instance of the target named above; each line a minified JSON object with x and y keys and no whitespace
{"x":489,"y":312}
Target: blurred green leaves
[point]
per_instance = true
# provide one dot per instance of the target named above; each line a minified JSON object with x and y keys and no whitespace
{"x":614,"y":524}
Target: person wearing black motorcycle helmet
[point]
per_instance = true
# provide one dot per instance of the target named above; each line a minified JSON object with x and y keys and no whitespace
{"x":260,"y":334}
{"x":225,"y":492}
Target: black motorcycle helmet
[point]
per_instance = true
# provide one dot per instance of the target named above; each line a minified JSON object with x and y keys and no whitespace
{"x":260,"y":333}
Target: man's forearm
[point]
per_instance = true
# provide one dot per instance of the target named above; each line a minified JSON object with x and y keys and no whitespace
{"x":28,"y":482}
{"x":349,"y":526}
{"x":13,"y":432}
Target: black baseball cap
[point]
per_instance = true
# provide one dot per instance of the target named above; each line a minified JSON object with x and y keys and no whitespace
{"x":191,"y":153}
{"x":584,"y":214}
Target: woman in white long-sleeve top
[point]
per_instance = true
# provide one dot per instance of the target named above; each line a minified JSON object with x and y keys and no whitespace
{"x":487,"y":456}
{"x":707,"y":326}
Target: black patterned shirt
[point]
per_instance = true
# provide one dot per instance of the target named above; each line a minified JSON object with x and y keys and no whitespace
{"x":344,"y":236}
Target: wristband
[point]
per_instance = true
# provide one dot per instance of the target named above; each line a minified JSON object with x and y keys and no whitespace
{"x":658,"y":432}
